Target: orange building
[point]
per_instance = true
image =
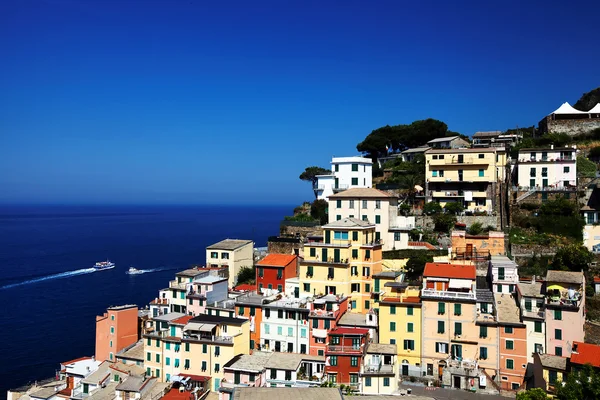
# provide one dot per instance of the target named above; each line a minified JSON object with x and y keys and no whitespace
{"x":250,"y":306}
{"x":115,"y":330}
{"x":491,"y":243}
{"x":274,"y":269}
{"x":513,"y":342}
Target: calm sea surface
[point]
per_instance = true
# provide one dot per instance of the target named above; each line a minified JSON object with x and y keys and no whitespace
{"x":49,"y":297}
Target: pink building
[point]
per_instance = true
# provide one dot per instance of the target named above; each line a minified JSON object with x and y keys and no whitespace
{"x":205,"y":290}
{"x":565,"y":311}
{"x":324,"y":316}
{"x":243,"y":370}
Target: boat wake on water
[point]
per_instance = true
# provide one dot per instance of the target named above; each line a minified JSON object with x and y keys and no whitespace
{"x":49,"y":277}
{"x":135,"y":271}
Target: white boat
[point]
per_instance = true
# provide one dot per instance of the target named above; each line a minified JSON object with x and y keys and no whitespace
{"x":134,"y":271}
{"x":102,"y":265}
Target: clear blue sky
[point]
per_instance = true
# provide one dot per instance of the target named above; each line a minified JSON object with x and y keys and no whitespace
{"x":228,"y":101}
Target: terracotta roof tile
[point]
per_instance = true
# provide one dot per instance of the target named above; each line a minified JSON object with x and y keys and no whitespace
{"x":442,"y":270}
{"x":277,"y":260}
{"x":422,"y":244}
{"x":75,"y":360}
{"x":182,"y":320}
{"x":245,"y":287}
{"x":587,"y":353}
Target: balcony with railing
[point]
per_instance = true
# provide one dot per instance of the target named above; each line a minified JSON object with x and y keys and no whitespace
{"x":208,"y":338}
{"x":567,"y":299}
{"x":533,"y":313}
{"x":337,"y":243}
{"x":354,"y":349}
{"x":373,"y":244}
{"x":340,"y":187}
{"x":378,"y":369}
{"x":177,"y":285}
{"x":468,"y":253}
{"x":233,"y":385}
{"x":485,"y":318}
{"x":447,"y":294}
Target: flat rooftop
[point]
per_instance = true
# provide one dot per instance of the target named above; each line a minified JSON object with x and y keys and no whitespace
{"x":382,"y":348}
{"x":230,"y":244}
{"x":531,"y":289}
{"x":564,"y":277}
{"x":507,"y":309}
{"x":354,"y":319}
{"x":254,"y":362}
{"x":134,"y":352}
{"x":290,"y":361}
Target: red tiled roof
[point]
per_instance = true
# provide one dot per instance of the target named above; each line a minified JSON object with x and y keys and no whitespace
{"x":277,"y":260}
{"x":182,"y":320}
{"x":244,"y":287}
{"x":75,"y":360}
{"x":422,"y":244}
{"x":442,"y":270}
{"x":349,"y":331}
{"x":175,"y":394}
{"x":586,"y":354}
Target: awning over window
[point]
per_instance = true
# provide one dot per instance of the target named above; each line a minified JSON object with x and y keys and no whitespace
{"x":196,"y":326}
{"x":459,"y":284}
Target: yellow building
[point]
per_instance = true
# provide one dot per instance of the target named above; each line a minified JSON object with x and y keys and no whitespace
{"x":344,"y":263}
{"x":400,"y":324}
{"x":468,"y":176}
{"x":199,"y":347}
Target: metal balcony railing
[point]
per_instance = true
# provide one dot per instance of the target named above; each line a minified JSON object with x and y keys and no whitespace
{"x":447,"y":294}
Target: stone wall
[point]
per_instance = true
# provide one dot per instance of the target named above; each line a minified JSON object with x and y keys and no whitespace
{"x":426,"y":221}
{"x":571,"y":127}
{"x":285,"y":245}
{"x":300,"y":230}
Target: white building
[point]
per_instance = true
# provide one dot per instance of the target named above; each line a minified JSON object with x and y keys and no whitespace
{"x":377,"y":207}
{"x":547,"y":168}
{"x":504,"y":273}
{"x":284,"y":370}
{"x":531,"y":302}
{"x":379,"y":371}
{"x":233,"y":254}
{"x":449,"y":142}
{"x":284,"y":326}
{"x":347,"y":173}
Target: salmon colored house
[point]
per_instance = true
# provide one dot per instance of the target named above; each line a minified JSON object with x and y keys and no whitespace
{"x":115,"y":330}
{"x":344,"y":355}
{"x":274,"y":269}
{"x":324,"y":316}
{"x":513,"y":342}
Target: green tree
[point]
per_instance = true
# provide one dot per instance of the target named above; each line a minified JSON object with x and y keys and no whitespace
{"x":454,"y":207}
{"x":476,"y":228}
{"x":318,"y":210}
{"x":415,"y":266}
{"x":572,"y":257}
{"x":432,"y":208}
{"x":558,"y":206}
{"x":310,"y":175}
{"x":444,"y":222}
{"x":246,"y":275}
{"x":580,"y":385}
{"x":585,"y":167}
{"x":532,"y":394}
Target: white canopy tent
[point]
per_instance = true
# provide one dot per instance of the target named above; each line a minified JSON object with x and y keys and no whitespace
{"x":566,"y":109}
{"x":595,"y":110}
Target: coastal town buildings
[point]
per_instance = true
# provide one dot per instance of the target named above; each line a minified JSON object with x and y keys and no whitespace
{"x":207,"y":289}
{"x":467,"y":176}
{"x":344,"y":355}
{"x":531,"y":300}
{"x":325,"y":314}
{"x":449,"y":309}
{"x":250,"y":306}
{"x":400,"y":325}
{"x":547,"y":168}
{"x":116,"y":329}
{"x":274,"y":269}
{"x":565,"y":311}
{"x":377,"y":207}
{"x":496,"y":139}
{"x":346,"y":173}
{"x":379,"y":370}
{"x":343,"y":263}
{"x":504,"y":273}
{"x":568,"y":120}
{"x":449,"y":142}
{"x":513,"y":342}
{"x":231,"y":253}
{"x":285,"y":326}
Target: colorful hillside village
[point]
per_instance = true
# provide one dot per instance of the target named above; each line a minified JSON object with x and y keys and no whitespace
{"x":331,"y":311}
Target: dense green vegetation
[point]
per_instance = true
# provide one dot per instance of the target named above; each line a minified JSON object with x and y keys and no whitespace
{"x":416,"y":263}
{"x":407,"y":174}
{"x":402,"y":137}
{"x":318,"y":211}
{"x":532,"y":394}
{"x":580,"y":385}
{"x":247,"y":275}
{"x":585,"y":167}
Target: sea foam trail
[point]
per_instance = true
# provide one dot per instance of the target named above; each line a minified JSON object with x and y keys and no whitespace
{"x":49,"y":277}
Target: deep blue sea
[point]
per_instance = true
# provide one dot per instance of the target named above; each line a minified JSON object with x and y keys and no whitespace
{"x":48,"y":311}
